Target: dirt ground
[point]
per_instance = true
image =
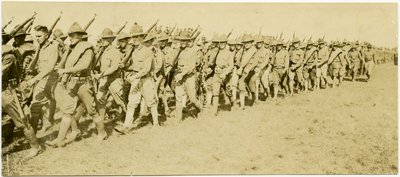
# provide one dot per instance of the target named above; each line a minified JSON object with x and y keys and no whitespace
{"x":347,"y":130}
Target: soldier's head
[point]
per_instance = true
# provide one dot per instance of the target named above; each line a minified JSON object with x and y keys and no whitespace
{"x":137,"y":34}
{"x":247,"y":41}
{"x":107,"y":37}
{"x":162,"y":40}
{"x":19,"y":37}
{"x":5,"y":37}
{"x":231,"y":45}
{"x":191,"y":43}
{"x":148,"y":41}
{"x":296,"y":44}
{"x":76,"y":33}
{"x":123,"y":40}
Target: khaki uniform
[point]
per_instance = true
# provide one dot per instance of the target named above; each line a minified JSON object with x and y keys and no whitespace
{"x":9,"y":100}
{"x":323,"y":55}
{"x":309,"y":70}
{"x":187,"y":86}
{"x":355,"y":61}
{"x":109,"y":61}
{"x":280,"y":64}
{"x":78,"y":87}
{"x":335,"y":64}
{"x":248,"y":63}
{"x":223,"y":66}
{"x":43,"y":91}
{"x":369,"y":58}
{"x":267,"y":71}
{"x":296,"y":61}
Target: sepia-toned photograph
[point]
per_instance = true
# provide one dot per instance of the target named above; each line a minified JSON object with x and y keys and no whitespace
{"x":199,"y":88}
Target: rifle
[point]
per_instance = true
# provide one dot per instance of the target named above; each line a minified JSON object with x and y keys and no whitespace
{"x":173,"y":29}
{"x":20,"y":26}
{"x":9,"y":22}
{"x":29,"y":25}
{"x":122,"y":27}
{"x":198,"y":26}
{"x":35,"y":59}
{"x":280,"y":36}
{"x":229,"y":34}
{"x":323,"y":37}
{"x":90,"y":22}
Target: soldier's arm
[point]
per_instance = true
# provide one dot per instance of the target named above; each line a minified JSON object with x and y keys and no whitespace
{"x":231,"y":63}
{"x":84,"y":63}
{"x":286,"y":59}
{"x":159,"y":61}
{"x":246,"y":58}
{"x":147,"y":64}
{"x":117,"y":57}
{"x":7,"y":62}
{"x":192,"y":65}
{"x":53,"y":57}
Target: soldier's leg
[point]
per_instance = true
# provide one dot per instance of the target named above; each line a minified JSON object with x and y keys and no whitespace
{"x":216,"y":90}
{"x":116,"y":91}
{"x":209,"y":91}
{"x":313,"y":77}
{"x":164,"y":96}
{"x":254,"y":84}
{"x":179,"y":96}
{"x":39,"y":99}
{"x":318,"y":75}
{"x":134,"y":100}
{"x":149,"y":93}
{"x":190,"y":88}
{"x":291,"y":76}
{"x":265,"y":82}
{"x":86,"y":95}
{"x":67,"y":104}
{"x":324,"y":75}
{"x":242,"y":90}
{"x":12,"y":108}
{"x":234,"y":85}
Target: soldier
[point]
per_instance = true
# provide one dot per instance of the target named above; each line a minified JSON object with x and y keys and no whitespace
{"x":209,"y":64}
{"x":258,"y":63}
{"x":108,"y":70}
{"x":266,"y":71}
{"x":244,"y":71}
{"x":235,"y":75}
{"x":309,"y":69}
{"x":142,"y":84}
{"x":46,"y":79}
{"x":322,"y":67}
{"x":335,"y":64}
{"x":296,"y":66}
{"x":280,"y":66}
{"x":370,"y":60}
{"x":223,"y":67}
{"x":10,"y":102}
{"x":186,"y":76}
{"x":355,"y":61}
{"x":75,"y":85}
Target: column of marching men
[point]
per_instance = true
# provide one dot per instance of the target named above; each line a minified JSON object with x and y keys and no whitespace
{"x":129,"y":77}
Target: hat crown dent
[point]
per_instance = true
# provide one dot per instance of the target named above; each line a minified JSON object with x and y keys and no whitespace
{"x":135,"y":29}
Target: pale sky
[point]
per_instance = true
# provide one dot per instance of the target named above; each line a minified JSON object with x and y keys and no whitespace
{"x":373,"y":22}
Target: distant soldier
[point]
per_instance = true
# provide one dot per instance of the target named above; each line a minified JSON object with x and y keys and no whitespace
{"x":235,"y":75}
{"x":322,"y":66}
{"x":244,"y":70}
{"x":223,"y":67}
{"x":370,"y":60}
{"x":209,"y":64}
{"x":267,"y":70}
{"x":258,"y":63}
{"x":355,"y":61}
{"x":10,"y":102}
{"x":186,"y":76}
{"x":295,"y":73}
{"x":310,"y":62}
{"x":280,"y":66}
{"x":335,"y":64}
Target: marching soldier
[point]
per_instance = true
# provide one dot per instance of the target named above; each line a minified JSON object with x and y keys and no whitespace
{"x":322,"y":66}
{"x":108,"y":70}
{"x":335,"y":64}
{"x":266,"y":71}
{"x":186,"y":76}
{"x":355,"y":61}
{"x":370,"y":60}
{"x":235,"y":76}
{"x":10,"y":102}
{"x":244,"y":71}
{"x":76,"y":85}
{"x":223,"y":67}
{"x":296,"y":66}
{"x":280,"y":66}
{"x":46,"y":79}
{"x":142,"y":84}
{"x":209,"y":64}
{"x":309,"y":69}
{"x":258,"y":64}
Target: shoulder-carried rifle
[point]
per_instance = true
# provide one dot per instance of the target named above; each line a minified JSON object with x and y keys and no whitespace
{"x":20,"y":26}
{"x":90,"y":22}
{"x":36,"y":57}
{"x":29,"y":25}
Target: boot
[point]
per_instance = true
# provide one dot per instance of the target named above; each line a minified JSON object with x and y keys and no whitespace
{"x":127,"y":123}
{"x":208,"y":99}
{"x":101,"y":132}
{"x":64,"y":126}
{"x":242,"y":99}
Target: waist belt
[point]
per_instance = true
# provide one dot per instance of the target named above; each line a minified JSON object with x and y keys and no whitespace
{"x":80,"y":78}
